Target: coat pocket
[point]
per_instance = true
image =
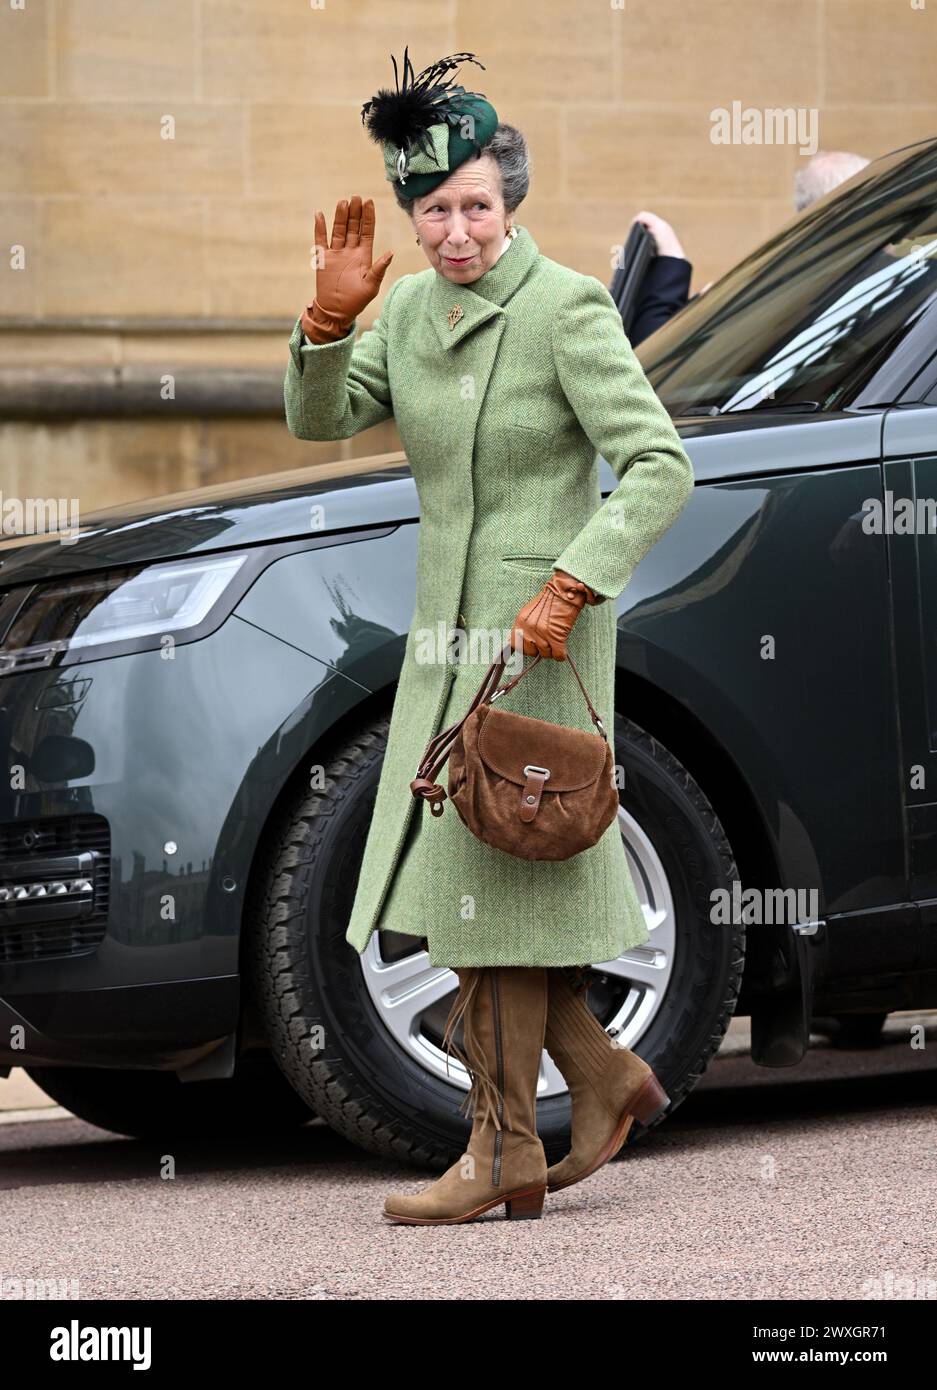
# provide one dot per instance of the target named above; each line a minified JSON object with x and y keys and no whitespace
{"x":537,"y":431}
{"x":538,"y":564}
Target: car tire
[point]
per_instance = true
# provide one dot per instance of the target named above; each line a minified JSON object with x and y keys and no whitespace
{"x":256,"y":1100}
{"x":320,"y":1018}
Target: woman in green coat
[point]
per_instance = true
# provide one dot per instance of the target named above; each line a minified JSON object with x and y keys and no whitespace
{"x":505,"y":373}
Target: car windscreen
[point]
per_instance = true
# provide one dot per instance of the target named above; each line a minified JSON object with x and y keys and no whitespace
{"x":803,"y":321}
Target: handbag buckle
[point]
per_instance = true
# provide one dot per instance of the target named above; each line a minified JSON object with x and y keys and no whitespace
{"x":532,"y":791}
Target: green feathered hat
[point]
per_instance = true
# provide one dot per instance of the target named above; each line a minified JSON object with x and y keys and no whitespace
{"x":428,"y":127}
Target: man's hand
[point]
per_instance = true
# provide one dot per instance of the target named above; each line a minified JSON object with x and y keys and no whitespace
{"x":544,"y":623}
{"x":665,"y":238}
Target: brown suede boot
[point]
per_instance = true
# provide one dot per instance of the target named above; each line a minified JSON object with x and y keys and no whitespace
{"x":609,"y":1086}
{"x":504,"y":1012}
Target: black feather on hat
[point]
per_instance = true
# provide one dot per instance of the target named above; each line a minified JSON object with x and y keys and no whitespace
{"x":402,"y":117}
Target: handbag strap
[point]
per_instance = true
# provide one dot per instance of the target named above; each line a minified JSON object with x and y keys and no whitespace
{"x":439,"y":747}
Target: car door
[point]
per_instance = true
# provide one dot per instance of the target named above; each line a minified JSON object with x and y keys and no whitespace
{"x":910,"y":493}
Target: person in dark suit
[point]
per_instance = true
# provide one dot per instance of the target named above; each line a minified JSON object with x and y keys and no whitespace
{"x":666,"y":286}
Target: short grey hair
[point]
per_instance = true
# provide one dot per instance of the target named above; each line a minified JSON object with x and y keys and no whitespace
{"x":824,"y":172}
{"x":508,"y":149}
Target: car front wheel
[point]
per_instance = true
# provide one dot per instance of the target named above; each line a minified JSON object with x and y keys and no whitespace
{"x":255,"y":1101}
{"x":360,"y":1037}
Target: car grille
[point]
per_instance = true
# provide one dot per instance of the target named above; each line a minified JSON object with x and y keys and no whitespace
{"x":54,"y":886}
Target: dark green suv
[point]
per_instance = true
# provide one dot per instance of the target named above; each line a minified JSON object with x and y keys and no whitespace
{"x":194,"y":702}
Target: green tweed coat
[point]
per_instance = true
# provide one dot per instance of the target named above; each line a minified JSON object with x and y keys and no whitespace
{"x":501,"y":409}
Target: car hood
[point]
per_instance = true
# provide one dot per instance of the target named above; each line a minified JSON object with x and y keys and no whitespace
{"x":224,"y":516}
{"x":377,"y":492}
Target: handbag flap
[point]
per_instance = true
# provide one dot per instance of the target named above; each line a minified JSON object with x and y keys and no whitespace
{"x":507,"y":742}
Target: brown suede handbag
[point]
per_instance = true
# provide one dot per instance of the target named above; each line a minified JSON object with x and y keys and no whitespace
{"x":528,"y":787}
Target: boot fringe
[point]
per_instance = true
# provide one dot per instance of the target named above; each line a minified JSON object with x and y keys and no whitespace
{"x":484,"y":1096}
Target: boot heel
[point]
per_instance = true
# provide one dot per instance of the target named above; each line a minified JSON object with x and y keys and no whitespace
{"x":651,"y":1100}
{"x":526,"y":1206}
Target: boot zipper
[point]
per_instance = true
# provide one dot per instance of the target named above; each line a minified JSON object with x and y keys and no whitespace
{"x":499,"y":1134}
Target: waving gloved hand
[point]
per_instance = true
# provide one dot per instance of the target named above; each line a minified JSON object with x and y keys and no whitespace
{"x":345,"y":278}
{"x":544,"y":623}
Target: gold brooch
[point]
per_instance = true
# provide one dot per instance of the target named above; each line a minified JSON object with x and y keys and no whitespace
{"x":455,"y":314}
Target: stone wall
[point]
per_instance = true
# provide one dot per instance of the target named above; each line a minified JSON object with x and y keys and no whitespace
{"x":121,"y":247}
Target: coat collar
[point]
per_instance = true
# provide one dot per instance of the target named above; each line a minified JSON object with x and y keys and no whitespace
{"x":484,"y":297}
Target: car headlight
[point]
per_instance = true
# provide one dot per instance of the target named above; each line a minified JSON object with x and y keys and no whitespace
{"x":119,"y":610}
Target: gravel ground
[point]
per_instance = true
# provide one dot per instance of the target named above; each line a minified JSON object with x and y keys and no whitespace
{"x":806,"y":1182}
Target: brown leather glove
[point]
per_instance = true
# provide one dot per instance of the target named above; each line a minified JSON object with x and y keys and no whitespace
{"x":345,"y":280}
{"x":544,"y":623}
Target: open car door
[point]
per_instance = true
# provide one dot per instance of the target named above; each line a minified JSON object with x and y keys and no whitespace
{"x":637,"y":254}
